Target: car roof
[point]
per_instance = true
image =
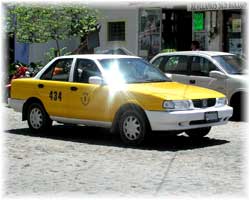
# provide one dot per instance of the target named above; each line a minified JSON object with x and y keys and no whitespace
{"x":98,"y":56}
{"x":205,"y":53}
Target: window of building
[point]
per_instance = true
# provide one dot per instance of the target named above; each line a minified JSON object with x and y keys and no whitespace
{"x":116,"y":31}
{"x":233,"y":33}
{"x":149,"y":32}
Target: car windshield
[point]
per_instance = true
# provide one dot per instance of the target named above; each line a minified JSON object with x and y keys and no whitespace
{"x":232,"y":64}
{"x":131,"y":70}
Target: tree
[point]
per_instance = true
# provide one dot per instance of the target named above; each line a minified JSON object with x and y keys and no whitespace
{"x":38,"y":24}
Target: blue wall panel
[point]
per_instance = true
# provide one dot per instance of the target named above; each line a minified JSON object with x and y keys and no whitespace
{"x":22,"y":52}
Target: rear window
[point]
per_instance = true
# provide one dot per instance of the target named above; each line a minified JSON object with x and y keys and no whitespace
{"x":58,"y":71}
{"x":175,"y":64}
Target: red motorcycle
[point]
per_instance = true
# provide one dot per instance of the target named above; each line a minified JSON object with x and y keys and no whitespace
{"x":21,"y":72}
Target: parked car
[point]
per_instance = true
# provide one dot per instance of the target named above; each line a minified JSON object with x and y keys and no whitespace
{"x":117,"y":51}
{"x":223,"y":72}
{"x":123,"y":93}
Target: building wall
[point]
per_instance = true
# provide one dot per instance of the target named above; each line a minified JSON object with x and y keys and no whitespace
{"x":214,"y":42}
{"x":37,"y":51}
{"x":21,"y":53}
{"x":130,"y":16}
{"x":211,"y":38}
{"x":228,"y":20}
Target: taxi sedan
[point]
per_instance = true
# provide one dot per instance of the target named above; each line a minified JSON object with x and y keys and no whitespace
{"x":123,"y":93}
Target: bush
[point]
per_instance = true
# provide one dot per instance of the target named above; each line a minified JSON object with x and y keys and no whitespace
{"x":167,"y":50}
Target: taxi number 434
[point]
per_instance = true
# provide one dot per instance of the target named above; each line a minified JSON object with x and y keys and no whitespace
{"x":55,"y":95}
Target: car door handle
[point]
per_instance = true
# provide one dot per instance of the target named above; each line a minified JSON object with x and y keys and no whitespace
{"x":40,"y":86}
{"x":192,"y":81}
{"x":73,"y":88}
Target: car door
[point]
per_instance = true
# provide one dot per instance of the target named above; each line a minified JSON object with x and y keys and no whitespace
{"x":199,"y":74}
{"x":90,"y":100}
{"x":174,"y":66}
{"x":53,"y":86}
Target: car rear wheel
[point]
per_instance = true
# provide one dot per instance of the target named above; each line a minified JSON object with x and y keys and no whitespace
{"x":38,"y":119}
{"x":198,"y":132}
{"x":133,"y":127}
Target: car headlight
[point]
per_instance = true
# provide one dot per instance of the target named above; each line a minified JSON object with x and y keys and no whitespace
{"x":221,"y":102}
{"x":177,"y":105}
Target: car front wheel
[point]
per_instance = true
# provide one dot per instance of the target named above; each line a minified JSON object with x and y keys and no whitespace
{"x":132,"y":127}
{"x":38,"y":119}
{"x":198,"y":132}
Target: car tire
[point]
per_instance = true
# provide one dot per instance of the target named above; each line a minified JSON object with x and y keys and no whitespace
{"x":133,"y":127}
{"x":38,"y":119}
{"x":198,"y":132}
{"x":239,"y":103}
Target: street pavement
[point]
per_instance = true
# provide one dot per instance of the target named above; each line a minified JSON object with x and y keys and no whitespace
{"x":76,"y":161}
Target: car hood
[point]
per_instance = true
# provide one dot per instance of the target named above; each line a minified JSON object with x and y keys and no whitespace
{"x":242,"y":78}
{"x":172,"y":91}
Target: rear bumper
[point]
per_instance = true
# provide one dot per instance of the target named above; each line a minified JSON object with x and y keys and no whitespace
{"x":182,"y":120}
{"x":16,"y":104}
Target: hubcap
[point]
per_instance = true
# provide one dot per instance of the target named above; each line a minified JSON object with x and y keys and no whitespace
{"x":132,"y":128}
{"x":36,"y":118}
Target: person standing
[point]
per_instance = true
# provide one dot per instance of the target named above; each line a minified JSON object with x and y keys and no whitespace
{"x":195,"y":45}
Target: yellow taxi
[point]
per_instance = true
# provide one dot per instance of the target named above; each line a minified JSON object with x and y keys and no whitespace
{"x":123,"y":93}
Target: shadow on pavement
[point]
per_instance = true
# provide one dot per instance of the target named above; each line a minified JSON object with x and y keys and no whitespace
{"x":100,"y":136}
{"x":235,"y":119}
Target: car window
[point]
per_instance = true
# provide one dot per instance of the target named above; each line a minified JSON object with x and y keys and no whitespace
{"x":157,"y":61}
{"x":175,"y":64}
{"x":131,"y":70}
{"x":85,"y":68}
{"x":201,"y":66}
{"x":58,"y":71}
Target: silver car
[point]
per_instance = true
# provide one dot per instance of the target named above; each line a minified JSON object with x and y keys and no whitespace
{"x":219,"y":71}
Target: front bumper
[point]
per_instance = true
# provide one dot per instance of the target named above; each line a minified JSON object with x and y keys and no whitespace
{"x":189,"y":119}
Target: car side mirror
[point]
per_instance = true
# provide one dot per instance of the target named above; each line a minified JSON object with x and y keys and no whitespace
{"x":217,"y":75}
{"x":95,"y":80}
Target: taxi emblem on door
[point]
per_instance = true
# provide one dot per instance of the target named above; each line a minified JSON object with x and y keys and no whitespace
{"x":85,"y":98}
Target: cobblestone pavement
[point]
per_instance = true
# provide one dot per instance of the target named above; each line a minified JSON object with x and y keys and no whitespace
{"x":87,"y":161}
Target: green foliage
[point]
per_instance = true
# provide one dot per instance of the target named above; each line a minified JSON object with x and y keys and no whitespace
{"x":53,"y":52}
{"x":83,"y":20}
{"x":11,"y":68}
{"x":37,"y":24}
{"x":168,"y":50}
